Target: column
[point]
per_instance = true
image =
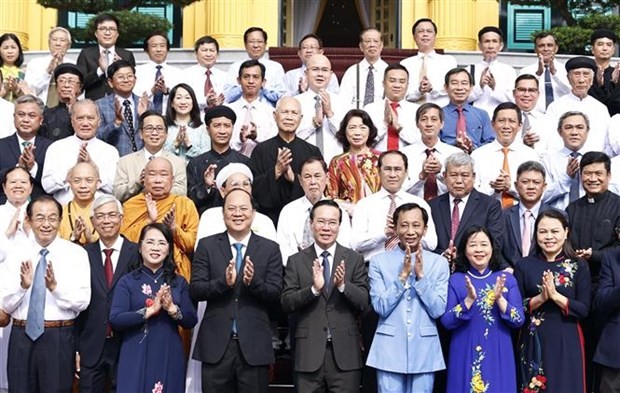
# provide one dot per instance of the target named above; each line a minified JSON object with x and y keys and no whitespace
{"x":486,"y":13}
{"x":29,"y":21}
{"x":411,"y":10}
{"x":454,"y":19}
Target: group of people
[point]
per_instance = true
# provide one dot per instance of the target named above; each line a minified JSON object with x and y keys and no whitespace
{"x":411,"y":218}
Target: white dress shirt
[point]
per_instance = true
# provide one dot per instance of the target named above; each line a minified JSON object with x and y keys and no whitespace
{"x":72,"y":273}
{"x":437,"y":66}
{"x":353,"y":86}
{"x":274,"y":76}
{"x":416,"y":154}
{"x":541,"y":125}
{"x":306,"y":131}
{"x":20,"y":142}
{"x":261,"y":115}
{"x":195,"y":76}
{"x":331,"y":251}
{"x":557,"y":193}
{"x":613,"y":136}
{"x":369,"y":219}
{"x":489,"y":160}
{"x":292,"y":223}
{"x":7,"y":212}
{"x":118,"y":244}
{"x":111,"y":55}
{"x":597,"y":114}
{"x":7,"y":127}
{"x":406,"y":118}
{"x":212,"y":222}
{"x":486,"y":98}
{"x":145,"y":79}
{"x":37,"y":77}
{"x":292,"y":77}
{"x":62,"y":155}
{"x":559,"y":82}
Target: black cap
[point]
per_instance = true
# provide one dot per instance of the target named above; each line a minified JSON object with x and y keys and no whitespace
{"x":68,"y":68}
{"x":490,"y":29}
{"x":603,"y":33}
{"x":580,"y":62}
{"x":219,"y":111}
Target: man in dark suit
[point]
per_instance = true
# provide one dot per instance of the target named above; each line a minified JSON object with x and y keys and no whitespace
{"x":240,"y":275}
{"x":519,"y":239}
{"x":94,"y":60}
{"x":25,"y":148}
{"x":110,"y":258}
{"x":326,"y":285}
{"x":463,"y":206}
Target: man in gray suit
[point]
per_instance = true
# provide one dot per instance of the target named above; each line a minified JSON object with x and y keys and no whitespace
{"x":326,"y":286}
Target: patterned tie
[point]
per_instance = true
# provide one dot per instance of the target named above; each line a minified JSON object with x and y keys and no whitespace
{"x":507,"y":199}
{"x":526,"y":237}
{"x":369,"y":93}
{"x":158,"y":98}
{"x":548,"y":87}
{"x":526,"y":123}
{"x":35,"y":322}
{"x":392,"y":133}
{"x":391,"y":241}
{"x":318,"y":109}
{"x":106,"y":55}
{"x":208,"y":86}
{"x":128,"y":114}
{"x":421,"y":75}
{"x":307,"y":238}
{"x":25,"y":145}
{"x":238,"y":263}
{"x":575,"y":182}
{"x":327,"y":272}
{"x":107,"y":267}
{"x":461,"y":123}
{"x":430,"y":184}
{"x":456,"y":219}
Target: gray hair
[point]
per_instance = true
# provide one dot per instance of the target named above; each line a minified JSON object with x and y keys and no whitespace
{"x":30,"y":99}
{"x":105,"y":199}
{"x":568,"y":114}
{"x":85,"y":101}
{"x":59,"y":28}
{"x":459,"y":159}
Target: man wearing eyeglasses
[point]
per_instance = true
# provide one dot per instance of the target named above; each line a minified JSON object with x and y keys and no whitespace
{"x":94,"y":60}
{"x":130,"y":170}
{"x":68,"y":81}
{"x":536,"y":132}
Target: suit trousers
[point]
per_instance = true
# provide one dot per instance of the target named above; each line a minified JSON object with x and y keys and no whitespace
{"x":45,"y":365}
{"x":95,"y":379}
{"x":233,"y":374}
{"x":610,"y":380}
{"x":404,"y":383}
{"x":329,"y":378}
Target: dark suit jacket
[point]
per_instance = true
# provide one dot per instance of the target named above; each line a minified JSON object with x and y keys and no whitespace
{"x":480,"y":210}
{"x":511,"y":246}
{"x":249,"y":304}
{"x":9,"y":157}
{"x":607,"y":309}
{"x":91,"y":323}
{"x":96,"y":86}
{"x":337,"y":310}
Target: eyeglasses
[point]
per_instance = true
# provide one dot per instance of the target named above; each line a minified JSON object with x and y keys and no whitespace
{"x":110,"y":216}
{"x":104,"y":29}
{"x":70,"y":82}
{"x":330,"y":223}
{"x":527,"y":90}
{"x":153,"y":129}
{"x":235,"y":209}
{"x":123,"y":78}
{"x":50,"y":219}
{"x":152,"y":243}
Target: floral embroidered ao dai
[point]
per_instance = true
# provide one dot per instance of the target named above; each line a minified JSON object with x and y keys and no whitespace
{"x":481,"y":357}
{"x":550,"y":347}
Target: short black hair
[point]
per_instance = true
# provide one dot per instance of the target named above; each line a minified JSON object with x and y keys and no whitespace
{"x":595,"y":157}
{"x":395,"y":66}
{"x":326,"y":202}
{"x":252,"y":30}
{"x":252,"y":201}
{"x":311,"y":35}
{"x":13,"y":169}
{"x":311,"y":160}
{"x":150,"y":113}
{"x":252,"y":63}
{"x":207,"y":39}
{"x":405,"y":207}
{"x":421,"y":20}
{"x":544,"y":34}
{"x":490,"y":29}
{"x":427,"y":106}
{"x":42,"y":199}
{"x":397,"y":152}
{"x":105,"y":17}
{"x":157,"y":33}
{"x":455,"y":71}
{"x":528,"y":166}
{"x":117,"y":65}
{"x":528,"y":77}
{"x":508,"y":106}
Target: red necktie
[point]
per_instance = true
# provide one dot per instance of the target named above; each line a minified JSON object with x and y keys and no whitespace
{"x":456,"y":219}
{"x":393,"y":138}
{"x":109,"y":272}
{"x":208,"y":85}
{"x":391,"y":241}
{"x":507,"y":199}
{"x":461,"y":124}
{"x":430,"y":184}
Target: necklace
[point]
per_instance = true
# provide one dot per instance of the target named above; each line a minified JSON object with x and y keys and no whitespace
{"x":154,"y":279}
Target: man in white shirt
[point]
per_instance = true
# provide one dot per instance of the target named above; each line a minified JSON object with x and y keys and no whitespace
{"x":372,"y":228}
{"x":493,"y":80}
{"x":427,"y":69}
{"x":551,"y":74}
{"x":81,"y":147}
{"x":536,"y":131}
{"x":156,"y":77}
{"x":255,"y":114}
{"x":581,"y":71}
{"x":40,"y":70}
{"x":394,"y":116}
{"x":427,"y":157}
{"x":255,"y":41}
{"x":361,"y":83}
{"x":294,"y":230}
{"x":45,"y":287}
{"x":204,"y":78}
{"x":496,"y":163}
{"x":295,"y":79}
{"x":321,"y":111}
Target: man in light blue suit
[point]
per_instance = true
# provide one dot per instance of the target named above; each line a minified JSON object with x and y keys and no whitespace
{"x":408,"y":290}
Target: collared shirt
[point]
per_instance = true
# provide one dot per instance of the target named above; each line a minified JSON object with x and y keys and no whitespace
{"x":72,"y":273}
{"x":118,"y":244}
{"x":293,"y":221}
{"x":261,"y":115}
{"x":212,"y":222}
{"x":244,"y":243}
{"x":62,"y":156}
{"x":613,"y":148}
{"x":462,"y":204}
{"x":478,"y":122}
{"x":274,"y":79}
{"x":111,"y":54}
{"x":540,"y":125}
{"x":292,"y":78}
{"x":145,"y":79}
{"x":195,"y":76}
{"x":149,"y":156}
{"x":437,"y":66}
{"x":331,"y":251}
{"x":353,"y":86}
{"x":20,"y":142}
{"x":7,"y":213}
{"x":557,"y":193}
{"x":37,"y":77}
{"x":486,"y":98}
{"x":406,"y":118}
{"x":534,"y":214}
{"x":559,"y":82}
{"x":416,"y":155}
{"x":369,"y":219}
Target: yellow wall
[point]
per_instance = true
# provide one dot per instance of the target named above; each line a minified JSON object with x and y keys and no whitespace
{"x":29,"y":21}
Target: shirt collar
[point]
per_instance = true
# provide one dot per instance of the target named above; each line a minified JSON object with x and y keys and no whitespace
{"x":331,"y":250}
{"x":243,"y":241}
{"x":463,"y":200}
{"x":534,"y":210}
{"x":116,"y":246}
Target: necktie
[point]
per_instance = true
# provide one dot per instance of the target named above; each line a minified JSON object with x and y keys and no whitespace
{"x":526,"y":123}
{"x":107,"y":266}
{"x":248,"y":114}
{"x":238,"y":263}
{"x":507,"y":199}
{"x":574,"y":184}
{"x":392,"y":133}
{"x":106,"y":55}
{"x":461,"y":124}
{"x":35,"y":322}
{"x":52,"y":94}
{"x":369,"y":93}
{"x":318,"y":109}
{"x":421,"y":75}
{"x":430,"y":184}
{"x":327,"y":272}
{"x":158,"y":98}
{"x":128,"y":114}
{"x":548,"y":87}
{"x":208,"y":85}
{"x":391,"y":241}
{"x":456,"y":219}
{"x":307,"y":238}
{"x":25,"y":145}
{"x":526,"y":237}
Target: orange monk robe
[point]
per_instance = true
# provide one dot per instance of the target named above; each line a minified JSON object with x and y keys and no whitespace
{"x":186,"y":218}
{"x":70,"y":213}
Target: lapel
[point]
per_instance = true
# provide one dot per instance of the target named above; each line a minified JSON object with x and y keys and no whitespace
{"x":124,"y":258}
{"x":39,"y":152}
{"x":14,"y":147}
{"x":470,"y":208}
{"x":516,"y":227}
{"x":446,"y":215}
{"x":97,"y":268}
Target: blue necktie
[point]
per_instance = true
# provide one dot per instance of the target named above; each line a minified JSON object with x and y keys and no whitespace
{"x":158,"y":98}
{"x":36,"y":308}
{"x":573,"y":194}
{"x":548,"y":87}
{"x":327,"y":272}
{"x":238,"y":263}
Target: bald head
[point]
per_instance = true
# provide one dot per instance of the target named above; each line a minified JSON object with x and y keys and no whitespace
{"x":83,"y":178}
{"x":158,"y":178}
{"x":318,"y":72}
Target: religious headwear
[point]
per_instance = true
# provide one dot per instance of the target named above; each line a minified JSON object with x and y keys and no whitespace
{"x":219,"y":111}
{"x":580,"y":62}
{"x":68,"y":68}
{"x":230,"y":170}
{"x":603,"y":33}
